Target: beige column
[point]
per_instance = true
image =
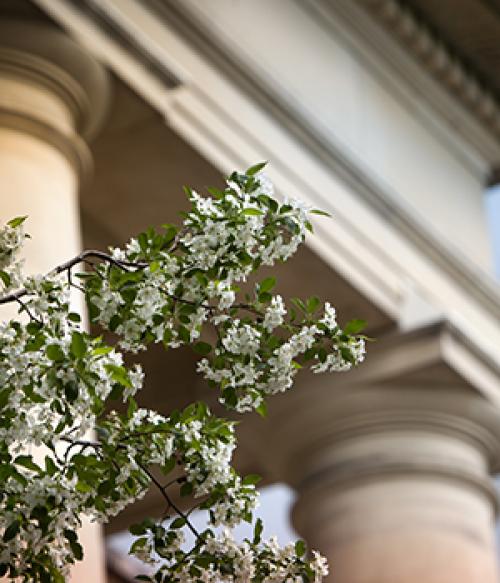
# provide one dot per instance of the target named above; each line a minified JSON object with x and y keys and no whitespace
{"x":394,"y":485}
{"x":393,"y":481}
{"x":52,"y":97}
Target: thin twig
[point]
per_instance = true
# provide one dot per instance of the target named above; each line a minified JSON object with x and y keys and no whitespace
{"x":179,"y":480}
{"x":25,"y":308}
{"x":169,"y":500}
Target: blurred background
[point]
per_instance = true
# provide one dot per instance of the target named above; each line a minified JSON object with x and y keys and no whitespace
{"x":384,"y":113}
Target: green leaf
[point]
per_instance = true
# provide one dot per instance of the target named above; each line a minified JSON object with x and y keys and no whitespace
{"x":312,"y":304}
{"x":320,"y":212}
{"x":83,"y":487}
{"x":33,"y":327}
{"x":74,"y":317}
{"x":137,"y":545}
{"x":186,"y":489}
{"x":35,"y":343}
{"x":71,"y":390}
{"x":256,"y":168}
{"x":27,"y":462}
{"x":268,"y":201}
{"x":77,"y":550}
{"x":169,"y":465}
{"x":251,"y":479}
{"x":262,"y":409}
{"x":250,"y":212}
{"x":78,"y":346}
{"x":257,"y":531}
{"x":5,"y":277}
{"x":354,"y":326}
{"x":202,"y":348}
{"x":299,"y":303}
{"x":178,"y":522}
{"x":17,"y":221}
{"x":347,"y":355}
{"x":12,"y":530}
{"x":50,"y":466}
{"x":265,"y":297}
{"x":55,"y":352}
{"x":184,"y":334}
{"x":137,"y":529}
{"x":300,"y":548}
{"x":70,"y":535}
{"x":267,"y":284}
{"x":119,"y":374}
{"x":101,"y":350}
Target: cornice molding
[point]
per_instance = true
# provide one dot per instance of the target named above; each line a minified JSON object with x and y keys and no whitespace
{"x":422,"y":64}
{"x":437,"y":59}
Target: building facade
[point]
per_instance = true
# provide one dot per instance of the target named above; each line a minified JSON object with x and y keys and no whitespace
{"x":384,"y":114}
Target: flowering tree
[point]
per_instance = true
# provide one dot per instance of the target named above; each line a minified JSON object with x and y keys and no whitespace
{"x":56,"y":380}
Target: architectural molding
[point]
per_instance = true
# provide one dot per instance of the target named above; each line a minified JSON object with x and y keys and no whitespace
{"x":437,"y":59}
{"x":369,"y":409}
{"x":422,"y":63}
{"x":71,"y":146}
{"x":51,"y":89}
{"x":41,"y":53}
{"x":41,"y":72}
{"x":409,"y":78}
{"x":337,"y":477}
{"x":102,"y":18}
{"x":397,"y":356}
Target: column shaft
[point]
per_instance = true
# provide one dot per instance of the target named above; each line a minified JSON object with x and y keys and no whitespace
{"x":42,"y":157}
{"x":401,"y":508}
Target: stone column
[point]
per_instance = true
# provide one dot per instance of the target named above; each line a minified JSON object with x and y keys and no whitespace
{"x":52,"y":98}
{"x":394,"y":484}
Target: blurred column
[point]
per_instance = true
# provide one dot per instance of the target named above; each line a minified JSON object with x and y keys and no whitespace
{"x":394,"y":484}
{"x":53,"y":97}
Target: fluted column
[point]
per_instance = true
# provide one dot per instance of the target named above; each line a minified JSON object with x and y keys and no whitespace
{"x":394,"y":483}
{"x":52,"y":97}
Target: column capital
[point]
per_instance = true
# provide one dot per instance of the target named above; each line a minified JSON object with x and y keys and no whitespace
{"x":51,"y":88}
{"x":334,"y":416}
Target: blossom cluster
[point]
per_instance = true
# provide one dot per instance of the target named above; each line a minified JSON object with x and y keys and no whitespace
{"x":57,"y":379}
{"x":255,"y":358}
{"x":190,"y":272}
{"x":219,"y":558}
{"x":194,"y":444}
{"x":189,"y":281}
{"x":53,"y":376}
{"x":12,"y":237}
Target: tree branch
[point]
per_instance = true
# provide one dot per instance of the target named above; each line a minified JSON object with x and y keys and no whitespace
{"x":14,"y":297}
